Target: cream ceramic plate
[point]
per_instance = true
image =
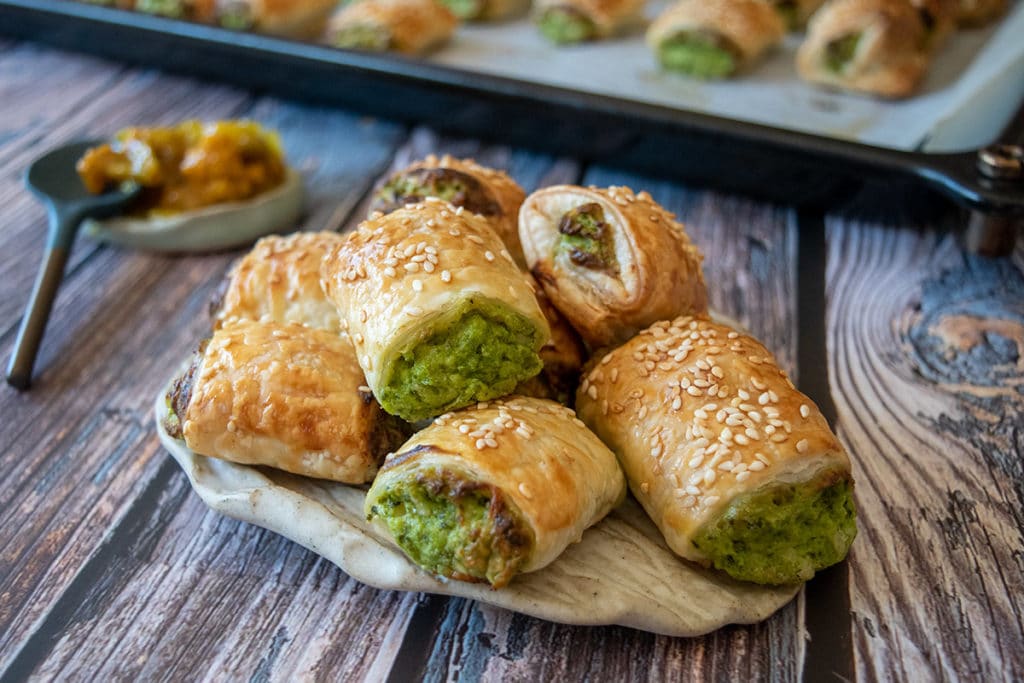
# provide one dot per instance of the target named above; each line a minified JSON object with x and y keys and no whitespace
{"x":620,"y":573}
{"x":217,"y":227}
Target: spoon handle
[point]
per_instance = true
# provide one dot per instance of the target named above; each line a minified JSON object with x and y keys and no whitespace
{"x":37,"y":312}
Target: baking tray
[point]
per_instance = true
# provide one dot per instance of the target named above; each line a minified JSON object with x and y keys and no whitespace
{"x":768,"y":161}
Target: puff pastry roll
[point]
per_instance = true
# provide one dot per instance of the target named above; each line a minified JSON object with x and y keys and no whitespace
{"x":440,"y":315}
{"x":285,"y":396}
{"x":486,"y":10}
{"x":279,"y":280}
{"x":714,"y":38}
{"x":978,"y":12}
{"x":737,"y":468}
{"x":872,"y":46}
{"x":288,"y":18}
{"x":612,"y":262}
{"x":563,"y":357}
{"x":461,"y":182}
{"x":496,"y":490}
{"x":407,"y":26}
{"x":575,"y":21}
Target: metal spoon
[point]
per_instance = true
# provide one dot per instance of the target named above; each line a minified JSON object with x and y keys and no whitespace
{"x":54,"y":180}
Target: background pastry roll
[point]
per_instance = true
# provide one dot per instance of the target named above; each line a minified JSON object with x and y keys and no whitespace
{"x":486,"y":10}
{"x":439,"y":313}
{"x":714,"y":38}
{"x":978,"y":12}
{"x":484,"y":191}
{"x":279,"y":280}
{"x":289,"y":18}
{"x":872,"y":46}
{"x":738,"y":469}
{"x":406,"y":26}
{"x":612,"y":262}
{"x":495,"y":490}
{"x":575,"y":21}
{"x":285,"y":396}
{"x":795,"y":13}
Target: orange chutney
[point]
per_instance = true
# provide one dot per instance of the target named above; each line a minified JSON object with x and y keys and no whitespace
{"x":187,"y":166}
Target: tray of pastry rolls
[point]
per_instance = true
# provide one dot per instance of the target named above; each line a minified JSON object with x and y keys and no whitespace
{"x":788,"y":99}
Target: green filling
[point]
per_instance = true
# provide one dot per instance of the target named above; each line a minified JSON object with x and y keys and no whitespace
{"x":479,"y":350}
{"x":698,"y":54}
{"x":455,"y":529}
{"x":164,"y":8}
{"x":565,"y":25}
{"x":465,"y":9}
{"x":446,"y":188}
{"x":839,"y":52}
{"x":238,"y":20}
{"x":784,"y":533}
{"x":363,"y":37}
{"x":586,"y":239}
{"x":172,"y":424}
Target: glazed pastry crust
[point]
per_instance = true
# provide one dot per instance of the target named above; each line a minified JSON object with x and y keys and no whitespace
{"x":496,"y":10}
{"x":751,"y":26}
{"x":979,"y":12}
{"x":279,"y":280}
{"x":555,"y":472}
{"x":289,"y":18}
{"x":416,"y":26}
{"x":659,"y":268}
{"x":609,"y":16}
{"x":506,"y":193}
{"x":890,"y":59}
{"x":452,"y":254}
{"x":284,"y":396}
{"x":698,"y":414}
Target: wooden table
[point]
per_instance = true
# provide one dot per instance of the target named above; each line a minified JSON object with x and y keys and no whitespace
{"x":111,"y":568}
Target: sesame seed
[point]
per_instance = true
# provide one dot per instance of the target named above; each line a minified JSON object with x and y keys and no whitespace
{"x":390,"y":272}
{"x":711,"y":500}
{"x":643,"y":412}
{"x":693,"y":391}
{"x":525,"y":490}
{"x":805,"y":410}
{"x":645,"y":487}
{"x":756,"y":466}
{"x":677,"y":403}
{"x":489,"y":255}
{"x":477,"y":239}
{"x":725,"y":466}
{"x":446,"y":276}
{"x":592,"y":392}
{"x":428,"y":267}
{"x":743,"y":394}
{"x":491,"y":442}
{"x":743,"y":476}
{"x":689,"y":502}
{"x":417,"y":286}
{"x":413,"y":311}
{"x":412,"y":267}
{"x":709,"y":477}
{"x":761,"y":457}
{"x":693,"y":490}
{"x":742,"y":439}
{"x":802,"y":446}
{"x":480,"y":444}
{"x":696,"y":461}
{"x":764,"y":398}
{"x":464,"y":428}
{"x":726,"y":434}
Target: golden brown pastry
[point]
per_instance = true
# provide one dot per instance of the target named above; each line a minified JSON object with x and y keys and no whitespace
{"x":714,"y":38}
{"x":575,"y":21}
{"x":795,"y":13}
{"x":440,"y":314}
{"x":979,"y":12}
{"x":938,"y":18}
{"x":496,"y":490}
{"x":288,"y":18}
{"x":737,"y":468}
{"x":872,"y":46}
{"x":282,"y":395}
{"x":461,"y":182}
{"x":486,"y":10}
{"x":563,"y":357}
{"x":407,"y":26}
{"x":612,"y":262}
{"x":279,"y":280}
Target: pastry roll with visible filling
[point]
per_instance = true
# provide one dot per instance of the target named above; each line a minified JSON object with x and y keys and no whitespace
{"x":496,"y":490}
{"x":285,"y":396}
{"x":714,"y":38}
{"x":795,"y":13}
{"x":191,"y":10}
{"x":440,"y":315}
{"x":612,"y":262}
{"x":407,"y":26}
{"x":279,"y":280}
{"x":460,"y":182}
{"x":738,"y":469}
{"x":872,"y":46}
{"x":576,"y":21}
{"x":563,"y":357}
{"x":288,"y":18}
{"x":486,"y":10}
{"x":978,"y":12}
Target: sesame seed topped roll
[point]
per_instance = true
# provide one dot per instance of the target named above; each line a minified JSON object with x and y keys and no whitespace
{"x":440,"y":315}
{"x":737,"y":468}
{"x":285,"y":396}
{"x":495,"y":490}
{"x":484,"y":191}
{"x":612,"y":262}
{"x":279,"y":280}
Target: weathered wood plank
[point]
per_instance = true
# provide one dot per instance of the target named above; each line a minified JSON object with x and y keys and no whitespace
{"x":750,"y":252}
{"x":79,"y":448}
{"x":926,"y":347}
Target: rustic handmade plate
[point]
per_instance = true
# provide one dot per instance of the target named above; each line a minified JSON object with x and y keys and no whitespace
{"x":222,"y":226}
{"x":620,"y":573}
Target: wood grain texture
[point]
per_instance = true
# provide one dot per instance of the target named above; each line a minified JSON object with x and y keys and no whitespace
{"x":927,"y":364}
{"x":78,"y":450}
{"x":750,"y":252}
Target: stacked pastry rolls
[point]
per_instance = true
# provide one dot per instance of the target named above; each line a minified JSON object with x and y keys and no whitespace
{"x":610,"y":260}
{"x":738,"y":469}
